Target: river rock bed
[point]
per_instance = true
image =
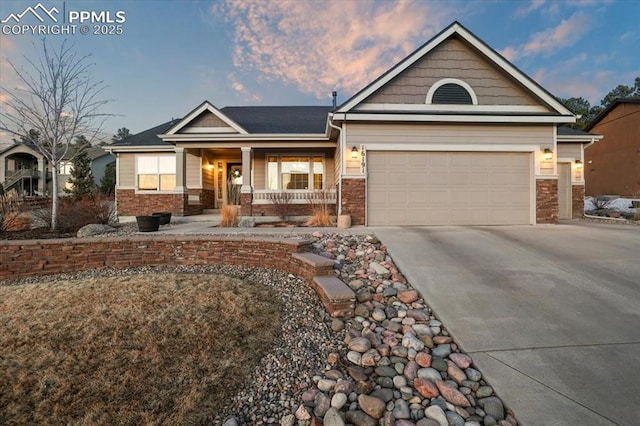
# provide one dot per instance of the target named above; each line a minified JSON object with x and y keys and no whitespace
{"x":397,"y":364}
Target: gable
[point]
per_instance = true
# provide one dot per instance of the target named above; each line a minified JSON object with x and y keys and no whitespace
{"x":405,"y":91}
{"x":207,"y":122}
{"x":453,"y":59}
{"x":204,"y":119}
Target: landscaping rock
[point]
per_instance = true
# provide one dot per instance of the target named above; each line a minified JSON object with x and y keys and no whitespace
{"x":247,"y":222}
{"x":94,"y":229}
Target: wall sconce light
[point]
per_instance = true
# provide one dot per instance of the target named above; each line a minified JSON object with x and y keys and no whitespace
{"x":354,"y":152}
{"x":548,"y":154}
{"x":578,"y":164}
{"x":211,"y":167}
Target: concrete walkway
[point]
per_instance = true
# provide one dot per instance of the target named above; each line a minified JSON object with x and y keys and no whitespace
{"x":549,"y":314}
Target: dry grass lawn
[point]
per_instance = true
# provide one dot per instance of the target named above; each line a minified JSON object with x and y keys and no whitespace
{"x":141,"y":349}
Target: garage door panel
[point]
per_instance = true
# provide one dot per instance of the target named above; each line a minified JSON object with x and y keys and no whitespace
{"x":448,"y":188}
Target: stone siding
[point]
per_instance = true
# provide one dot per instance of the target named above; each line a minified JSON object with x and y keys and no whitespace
{"x":353,"y":200}
{"x":547,"y":208}
{"x":577,"y":201}
{"x":131,"y":204}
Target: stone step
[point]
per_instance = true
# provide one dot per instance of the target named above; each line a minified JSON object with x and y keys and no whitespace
{"x":337,"y":298}
{"x":319,"y":265}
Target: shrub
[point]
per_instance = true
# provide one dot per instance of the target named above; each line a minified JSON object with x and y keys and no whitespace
{"x":74,"y":213}
{"x":320,"y":214}
{"x":10,"y":214}
{"x":281,"y":202}
{"x":229,"y":216}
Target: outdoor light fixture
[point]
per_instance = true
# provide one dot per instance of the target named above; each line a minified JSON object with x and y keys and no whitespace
{"x":354,"y":152}
{"x":578,"y":164}
{"x":210,"y":166}
{"x":548,"y":154}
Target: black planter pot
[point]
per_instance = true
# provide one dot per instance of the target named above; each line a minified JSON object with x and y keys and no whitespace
{"x":148,"y":223}
{"x":165,"y":217}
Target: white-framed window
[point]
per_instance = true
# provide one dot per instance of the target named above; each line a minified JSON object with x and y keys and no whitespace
{"x":65,"y":167}
{"x":156,"y":172}
{"x":295,"y":171}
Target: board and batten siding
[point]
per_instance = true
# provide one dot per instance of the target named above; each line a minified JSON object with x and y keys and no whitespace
{"x":453,"y":59}
{"x":127,"y":170}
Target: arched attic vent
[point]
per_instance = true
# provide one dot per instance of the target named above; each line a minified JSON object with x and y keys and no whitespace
{"x":451,"y":91}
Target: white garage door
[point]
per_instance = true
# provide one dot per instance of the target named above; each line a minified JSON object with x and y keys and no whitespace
{"x":448,"y":188}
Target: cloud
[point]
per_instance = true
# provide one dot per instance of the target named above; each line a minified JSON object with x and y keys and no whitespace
{"x":241,"y":88}
{"x":565,"y":34}
{"x":324,"y":46}
{"x":532,"y":7}
{"x":629,"y":35}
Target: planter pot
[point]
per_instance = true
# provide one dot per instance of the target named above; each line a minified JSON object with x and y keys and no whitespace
{"x":148,"y":223}
{"x":165,"y":217}
{"x":344,"y":221}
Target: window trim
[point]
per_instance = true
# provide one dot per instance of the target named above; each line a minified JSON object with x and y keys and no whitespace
{"x":440,"y":83}
{"x":294,"y":154}
{"x":136,"y":174}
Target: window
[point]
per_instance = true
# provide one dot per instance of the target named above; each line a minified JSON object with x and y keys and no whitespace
{"x":156,"y":173}
{"x":65,"y":167}
{"x":295,"y":172}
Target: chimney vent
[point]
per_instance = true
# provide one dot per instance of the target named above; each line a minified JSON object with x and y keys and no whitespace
{"x":334,"y":94}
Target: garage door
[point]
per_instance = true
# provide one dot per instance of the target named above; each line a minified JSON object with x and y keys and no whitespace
{"x":448,"y":188}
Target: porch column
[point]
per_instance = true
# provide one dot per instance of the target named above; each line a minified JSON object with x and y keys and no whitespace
{"x":246,"y":169}
{"x":246,"y":196}
{"x":180,"y":170}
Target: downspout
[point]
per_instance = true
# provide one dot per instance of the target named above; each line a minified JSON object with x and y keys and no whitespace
{"x":339,"y":129}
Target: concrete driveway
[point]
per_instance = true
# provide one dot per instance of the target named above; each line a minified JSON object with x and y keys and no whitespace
{"x":549,"y":314}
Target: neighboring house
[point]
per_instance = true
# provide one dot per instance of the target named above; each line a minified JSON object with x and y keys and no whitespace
{"x":25,"y":169}
{"x":100,"y":160}
{"x":452,"y":134}
{"x":571,"y":184}
{"x":613,"y":163}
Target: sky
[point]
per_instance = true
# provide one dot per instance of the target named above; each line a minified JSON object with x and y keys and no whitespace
{"x":172,"y":55}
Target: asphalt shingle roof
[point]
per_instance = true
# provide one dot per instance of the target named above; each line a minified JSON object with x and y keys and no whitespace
{"x":148,"y":137}
{"x":280,"y":119}
{"x":568,"y":131}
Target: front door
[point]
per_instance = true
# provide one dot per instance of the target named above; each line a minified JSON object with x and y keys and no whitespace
{"x":234,"y":183}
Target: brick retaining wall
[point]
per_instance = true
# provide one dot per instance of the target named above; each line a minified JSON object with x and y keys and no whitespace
{"x":27,"y":258}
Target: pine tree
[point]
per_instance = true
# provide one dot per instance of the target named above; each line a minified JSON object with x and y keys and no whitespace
{"x":81,"y":176}
{"x":108,"y":181}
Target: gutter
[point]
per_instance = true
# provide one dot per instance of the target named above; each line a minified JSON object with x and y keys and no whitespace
{"x":339,"y":129}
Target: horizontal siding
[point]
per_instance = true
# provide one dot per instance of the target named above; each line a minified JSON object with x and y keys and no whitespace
{"x":194,"y":168}
{"x":127,"y":167}
{"x":453,"y":59}
{"x":570,"y":150}
{"x":208,"y":176}
{"x":259,"y":170}
{"x":420,"y":134}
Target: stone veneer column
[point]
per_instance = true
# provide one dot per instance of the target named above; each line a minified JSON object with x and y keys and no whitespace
{"x":577,"y":201}
{"x":352,"y":196}
{"x":246,"y":191}
{"x":547,"y":208}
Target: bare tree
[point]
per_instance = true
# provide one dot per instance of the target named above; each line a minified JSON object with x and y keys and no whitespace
{"x":58,"y":99}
